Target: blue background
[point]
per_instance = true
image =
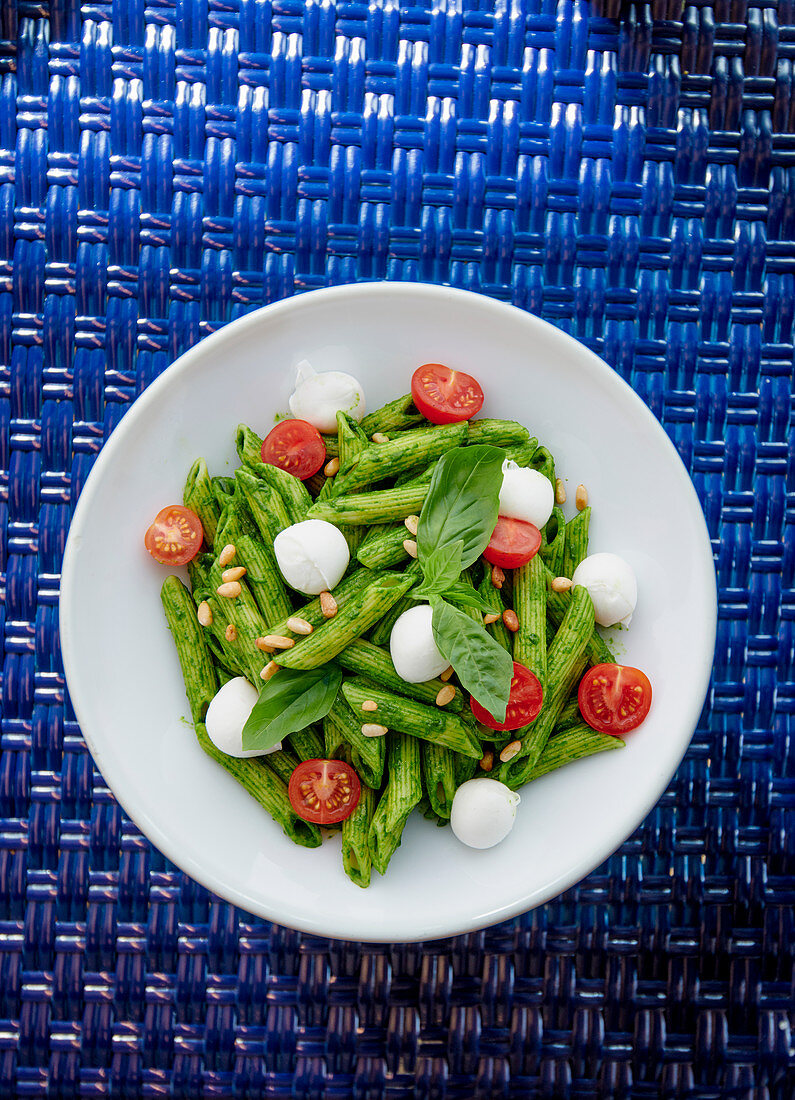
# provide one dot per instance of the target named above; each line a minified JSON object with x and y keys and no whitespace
{"x":626,"y":171}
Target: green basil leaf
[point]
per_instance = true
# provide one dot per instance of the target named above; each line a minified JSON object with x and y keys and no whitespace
{"x":290,"y":701}
{"x":463,"y":595}
{"x":482,"y":666}
{"x":440,"y":570}
{"x":462,"y":503}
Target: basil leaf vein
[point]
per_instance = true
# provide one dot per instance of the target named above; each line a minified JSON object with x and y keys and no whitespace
{"x":462,"y":503}
{"x":463,"y":595}
{"x":291,"y":701}
{"x":482,"y":666}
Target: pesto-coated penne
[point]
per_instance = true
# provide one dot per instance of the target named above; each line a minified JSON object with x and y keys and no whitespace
{"x":198,"y":672}
{"x":265,"y":785}
{"x":576,"y":542}
{"x":399,"y":713}
{"x":382,"y":630}
{"x":384,"y":546}
{"x":497,"y":433}
{"x":530,"y":604}
{"x":574,"y":743}
{"x":553,"y":542}
{"x":357,"y":616}
{"x":412,"y":448}
{"x":438,"y":777}
{"x":264,"y":503}
{"x":544,"y":462}
{"x":566,"y":662}
{"x":306,"y":744}
{"x":492,"y":595}
{"x":395,"y":416}
{"x":356,"y":841}
{"x":402,"y":793}
{"x":380,"y":506}
{"x":199,"y":496}
{"x":375,"y":663}
{"x":341,"y":726}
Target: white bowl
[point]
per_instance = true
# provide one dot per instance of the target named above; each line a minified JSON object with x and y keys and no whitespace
{"x":122,"y":669}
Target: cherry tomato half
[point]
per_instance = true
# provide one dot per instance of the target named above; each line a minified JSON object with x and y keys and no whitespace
{"x":614,"y":698}
{"x":524,"y":702}
{"x":175,"y":535}
{"x":444,"y":396}
{"x":513,"y":543}
{"x":324,"y":791}
{"x":294,"y":446}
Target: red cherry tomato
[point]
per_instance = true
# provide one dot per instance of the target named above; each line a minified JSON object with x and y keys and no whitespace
{"x":324,"y":791}
{"x":175,"y":536}
{"x":513,"y":543}
{"x":294,"y":446}
{"x":614,"y":698}
{"x":444,"y":396}
{"x":524,"y":702}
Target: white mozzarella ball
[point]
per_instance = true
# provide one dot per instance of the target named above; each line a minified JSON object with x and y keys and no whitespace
{"x":612,"y":586}
{"x":525,"y":494}
{"x":412,"y":647}
{"x":228,"y":713}
{"x":312,"y":555}
{"x":318,"y":397}
{"x":483,"y":812}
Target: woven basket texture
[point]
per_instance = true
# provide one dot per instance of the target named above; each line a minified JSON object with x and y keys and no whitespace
{"x":626,"y":171}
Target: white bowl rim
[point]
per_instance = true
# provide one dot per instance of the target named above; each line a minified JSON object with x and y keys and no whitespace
{"x":421,"y":291}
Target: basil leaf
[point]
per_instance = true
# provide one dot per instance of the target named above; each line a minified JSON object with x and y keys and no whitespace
{"x":440,"y":570}
{"x":290,"y":701}
{"x":482,"y":666}
{"x":462,"y":503}
{"x":463,"y":595}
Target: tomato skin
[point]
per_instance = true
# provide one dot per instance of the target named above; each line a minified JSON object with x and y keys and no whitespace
{"x":175,"y":535}
{"x":524,"y":702}
{"x":445,"y":396}
{"x":605,"y":689}
{"x":513,"y":543}
{"x":324,"y":791}
{"x":295,"y":446}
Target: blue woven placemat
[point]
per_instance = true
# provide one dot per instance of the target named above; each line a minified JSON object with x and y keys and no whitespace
{"x":627,"y":172}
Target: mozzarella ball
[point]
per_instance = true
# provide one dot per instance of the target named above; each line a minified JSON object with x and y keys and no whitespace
{"x":612,"y":587}
{"x":483,"y":812}
{"x":412,"y":647}
{"x":312,"y":555}
{"x":525,"y":494}
{"x":228,"y":713}
{"x":319,"y":397}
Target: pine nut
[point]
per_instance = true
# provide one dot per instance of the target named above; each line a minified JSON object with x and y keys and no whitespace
{"x":332,"y":467}
{"x":487,"y":760}
{"x":371,"y":729}
{"x":410,"y":546}
{"x":299,"y":625}
{"x":412,"y":523}
{"x":560,"y":584}
{"x":581,"y":498}
{"x":510,"y":750}
{"x":204,"y":613}
{"x":491,"y":617}
{"x":445,"y":676}
{"x":511,"y":620}
{"x":278,"y":641}
{"x":263,"y":645}
{"x":229,"y":589}
{"x":231,"y":633}
{"x":445,"y":695}
{"x":271,"y":668}
{"x":497,"y":576}
{"x":226,"y":555}
{"x":233,"y":574}
{"x":379,"y":437}
{"x":560,"y":491}
{"x":368,"y":704}
{"x":328,"y":605}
